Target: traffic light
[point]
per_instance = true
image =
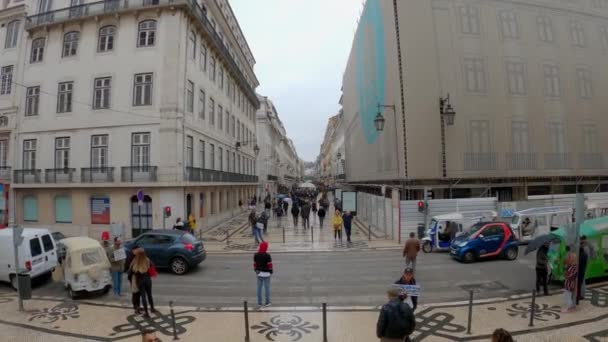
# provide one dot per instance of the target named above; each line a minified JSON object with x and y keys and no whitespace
{"x":167,"y":211}
{"x":421,"y":206}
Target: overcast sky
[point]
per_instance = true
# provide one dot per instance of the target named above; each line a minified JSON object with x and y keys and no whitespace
{"x":301,"y":48}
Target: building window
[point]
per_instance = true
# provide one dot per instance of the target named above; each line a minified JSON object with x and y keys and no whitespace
{"x":212,"y":111}
{"x":227,"y":123}
{"x":203,"y":61}
{"x":516,"y":74}
{"x":32,"y":101}
{"x":232,"y":123}
{"x":508,"y":24}
{"x":233,"y":162}
{"x":238,"y":130}
{"x":70,"y":44}
{"x":577,"y":34}
{"x":190,"y":97}
{"x":101,"y":95}
{"x":590,"y":139}
{"x":228,"y":85}
{"x":519,"y":137}
{"x":479,"y":136}
{"x":557,"y":137}
{"x":99,"y":151}
{"x":12,"y":34}
{"x":221,"y":78}
{"x":63,"y":209}
{"x":6,"y":74}
{"x":545,"y":28}
{"x":212,"y":68}
{"x":29,"y":154}
{"x":474,"y":69}
{"x":64,"y":97}
{"x":189,"y":151}
{"x":140,"y":149}
{"x":212,"y":156}
{"x":106,"y":38}
{"x":201,"y":152}
{"x":604,"y":36}
{"x":37,"y":53}
{"x":142,"y":89}
{"x":62,"y":153}
{"x":220,"y":117}
{"x":3,"y":153}
{"x":585,"y":89}
{"x":552,"y":83}
{"x":30,"y":209}
{"x":201,"y":104}
{"x":147,"y":33}
{"x":141,"y":215}
{"x":221,"y":158}
{"x":192,"y":39}
{"x":469,"y":19}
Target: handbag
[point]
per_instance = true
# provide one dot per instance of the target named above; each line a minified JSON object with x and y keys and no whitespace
{"x":152,"y":271}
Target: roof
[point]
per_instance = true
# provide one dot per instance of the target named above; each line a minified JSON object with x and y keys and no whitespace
{"x":544,"y":210}
{"x":588,"y":228}
{"x":80,"y":242}
{"x":166,"y":231}
{"x":466,"y":214}
{"x":26,"y":231}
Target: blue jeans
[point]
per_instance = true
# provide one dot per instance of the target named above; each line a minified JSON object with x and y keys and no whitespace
{"x":257,"y":234}
{"x":116,"y":282}
{"x":263,"y":282}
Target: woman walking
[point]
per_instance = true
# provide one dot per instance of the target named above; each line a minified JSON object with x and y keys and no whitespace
{"x":337,"y":223}
{"x":570,"y":282}
{"x":141,"y":281}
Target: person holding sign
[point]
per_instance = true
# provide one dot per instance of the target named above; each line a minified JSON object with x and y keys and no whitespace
{"x":117,"y":266}
{"x":408,"y":279}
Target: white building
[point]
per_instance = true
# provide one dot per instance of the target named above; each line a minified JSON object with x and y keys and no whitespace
{"x":121,"y":96}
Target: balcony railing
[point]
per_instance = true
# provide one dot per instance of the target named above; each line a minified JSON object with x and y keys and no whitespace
{"x":5,"y":172}
{"x":65,"y":175}
{"x":557,"y":161}
{"x":593,"y":161}
{"x":479,"y":161}
{"x":108,"y":7}
{"x":97,"y":174}
{"x":27,"y":176}
{"x":138,"y":173}
{"x":195,"y":174}
{"x":273,"y":178}
{"x":521,"y":161}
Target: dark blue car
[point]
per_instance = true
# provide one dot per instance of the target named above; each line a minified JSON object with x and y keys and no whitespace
{"x":484,"y":240}
{"x":176,"y":250}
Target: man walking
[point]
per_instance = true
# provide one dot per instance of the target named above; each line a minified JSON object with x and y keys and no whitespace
{"x":295,"y":212}
{"x":542,"y":269}
{"x":305,"y":215}
{"x":347,"y":218}
{"x":262,"y":265}
{"x":410,"y":252}
{"x":583,"y":258}
{"x":396,"y":321}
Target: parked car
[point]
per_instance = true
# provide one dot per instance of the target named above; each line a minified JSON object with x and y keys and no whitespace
{"x":37,"y":254}
{"x":86,"y":268}
{"x":483,"y":240}
{"x":176,"y":250}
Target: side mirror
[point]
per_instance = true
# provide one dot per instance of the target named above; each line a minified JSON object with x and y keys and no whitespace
{"x":481,"y":236}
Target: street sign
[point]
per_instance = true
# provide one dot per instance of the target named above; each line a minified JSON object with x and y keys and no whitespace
{"x":140,"y":197}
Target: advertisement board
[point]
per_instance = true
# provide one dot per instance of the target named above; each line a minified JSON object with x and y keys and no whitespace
{"x":100,"y":210}
{"x":349,"y":202}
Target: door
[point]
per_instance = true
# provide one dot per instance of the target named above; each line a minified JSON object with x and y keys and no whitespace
{"x":49,"y":251}
{"x":493,"y":237}
{"x":36,"y":256}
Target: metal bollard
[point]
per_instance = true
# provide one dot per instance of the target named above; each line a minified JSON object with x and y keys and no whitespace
{"x":324,"y":322}
{"x":369,"y":232}
{"x":470,"y":312}
{"x":283,"y":226}
{"x":246,"y":312}
{"x":532,"y":308}
{"x":175,"y":338}
{"x":312,"y":238}
{"x":227,"y":237}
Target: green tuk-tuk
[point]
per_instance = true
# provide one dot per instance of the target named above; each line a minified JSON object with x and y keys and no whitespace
{"x":596,"y":231}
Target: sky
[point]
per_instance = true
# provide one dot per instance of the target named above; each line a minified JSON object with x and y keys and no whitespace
{"x":301,"y":48}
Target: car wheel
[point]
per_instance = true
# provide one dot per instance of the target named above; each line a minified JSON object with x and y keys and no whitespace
{"x":468,"y":257}
{"x":71,"y":293}
{"x":511,"y":253}
{"x":427,"y":247}
{"x":14,"y":284}
{"x":179,"y":266}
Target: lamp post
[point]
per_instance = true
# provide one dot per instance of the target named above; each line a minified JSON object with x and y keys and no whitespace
{"x":447,"y":114}
{"x":379,"y":123}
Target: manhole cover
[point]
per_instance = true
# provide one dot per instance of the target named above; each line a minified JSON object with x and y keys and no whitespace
{"x":484,"y":286}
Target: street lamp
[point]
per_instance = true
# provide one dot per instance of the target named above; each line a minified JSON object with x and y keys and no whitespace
{"x":339,"y":155}
{"x":446,"y":110}
{"x":379,"y":122}
{"x":256,"y":150}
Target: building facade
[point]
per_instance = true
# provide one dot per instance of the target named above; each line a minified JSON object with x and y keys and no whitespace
{"x":525,"y":79}
{"x":332,"y":153}
{"x":130,"y":107}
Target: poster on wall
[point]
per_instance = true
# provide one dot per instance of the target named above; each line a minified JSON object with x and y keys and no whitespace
{"x":349,"y":202}
{"x":100,"y":210}
{"x":339,"y":194}
{"x":201,"y":204}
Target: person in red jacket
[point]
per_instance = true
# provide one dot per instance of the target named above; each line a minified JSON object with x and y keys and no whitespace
{"x":262,"y":265}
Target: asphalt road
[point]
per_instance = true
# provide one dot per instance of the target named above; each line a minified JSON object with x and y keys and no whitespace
{"x":338,"y":278}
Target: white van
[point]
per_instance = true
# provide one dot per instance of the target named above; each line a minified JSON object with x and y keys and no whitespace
{"x":37,"y":254}
{"x":531,"y":223}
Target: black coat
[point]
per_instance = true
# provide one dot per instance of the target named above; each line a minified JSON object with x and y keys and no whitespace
{"x":396,"y":320}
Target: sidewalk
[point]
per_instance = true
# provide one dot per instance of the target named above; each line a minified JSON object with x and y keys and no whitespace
{"x":46,"y":320}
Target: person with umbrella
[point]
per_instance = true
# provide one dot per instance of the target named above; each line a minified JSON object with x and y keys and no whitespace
{"x":542,"y":268}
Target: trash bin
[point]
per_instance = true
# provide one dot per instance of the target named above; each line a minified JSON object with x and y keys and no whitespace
{"x":25,"y":285}
{"x":421,"y":230}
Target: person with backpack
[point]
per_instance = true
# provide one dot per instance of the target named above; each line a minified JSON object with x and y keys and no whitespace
{"x":262,"y":265}
{"x":396,"y":320}
{"x":321,"y":214}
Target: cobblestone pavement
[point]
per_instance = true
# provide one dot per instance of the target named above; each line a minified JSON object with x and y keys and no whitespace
{"x":54,"y":320}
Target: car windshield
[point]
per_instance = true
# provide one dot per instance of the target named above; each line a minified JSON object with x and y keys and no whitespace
{"x":91,"y":257}
{"x":433,"y":224}
{"x":515,"y":219}
{"x":474,"y":229}
{"x":188,"y":238}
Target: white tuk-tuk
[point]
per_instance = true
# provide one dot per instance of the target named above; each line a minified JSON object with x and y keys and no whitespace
{"x":86,"y":267}
{"x":531,"y":223}
{"x":443,"y":228}
{"x":595,"y":209}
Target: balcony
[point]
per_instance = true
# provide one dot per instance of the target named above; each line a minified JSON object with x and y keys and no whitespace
{"x":521,"y":161}
{"x":591,"y":161}
{"x":195,"y":174}
{"x":479,"y":161}
{"x":116,"y":7}
{"x":27,"y":176}
{"x":5,"y":173}
{"x":65,"y":175}
{"x":273,"y":178}
{"x":97,"y":174}
{"x":557,"y":161}
{"x":138,"y":173}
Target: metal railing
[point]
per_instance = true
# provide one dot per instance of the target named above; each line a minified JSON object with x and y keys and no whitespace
{"x":5,"y":172}
{"x":521,"y":161}
{"x":195,"y":174}
{"x":557,"y":161}
{"x":138,"y":173}
{"x":591,"y":161}
{"x":479,"y":161}
{"x":27,"y":176}
{"x":97,"y":174}
{"x":65,"y":175}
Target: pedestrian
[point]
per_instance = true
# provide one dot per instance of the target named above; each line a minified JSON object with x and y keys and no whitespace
{"x":149,"y":336}
{"x":264,"y":220}
{"x":410,"y":251}
{"x":240,"y":204}
{"x":191,"y":223}
{"x":570,"y":282}
{"x":117,"y":257}
{"x":501,"y":335}
{"x":542,"y":269}
{"x":258,"y":228}
{"x":179,"y":224}
{"x":321,"y":214}
{"x":347,"y":218}
{"x":262,"y":265}
{"x":337,"y":223}
{"x":274,"y":208}
{"x":285,"y":205}
{"x":314,"y":208}
{"x":267,"y":206}
{"x":583,"y":257}
{"x":305,"y":212}
{"x":295,"y":212}
{"x":408,"y":279}
{"x":396,"y":321}
{"x":141,"y":271}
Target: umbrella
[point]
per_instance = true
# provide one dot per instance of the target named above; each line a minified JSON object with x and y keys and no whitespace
{"x":307,"y":186}
{"x":539,"y":241}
